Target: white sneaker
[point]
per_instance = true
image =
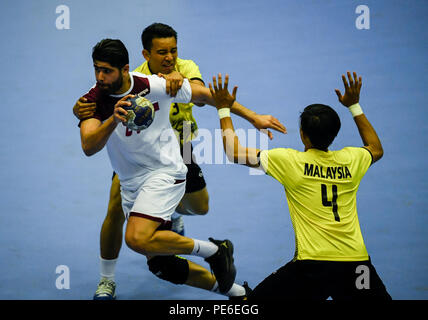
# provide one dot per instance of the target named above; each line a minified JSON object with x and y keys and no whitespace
{"x":178,"y":225}
{"x":106,"y":290}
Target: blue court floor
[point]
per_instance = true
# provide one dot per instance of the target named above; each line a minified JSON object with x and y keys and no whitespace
{"x":283,"y":55}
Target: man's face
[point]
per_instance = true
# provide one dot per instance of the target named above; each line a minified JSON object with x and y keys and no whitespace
{"x":109,"y":79}
{"x":162,"y":56}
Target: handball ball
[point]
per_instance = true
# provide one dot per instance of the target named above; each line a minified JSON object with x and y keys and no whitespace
{"x":141,"y":113}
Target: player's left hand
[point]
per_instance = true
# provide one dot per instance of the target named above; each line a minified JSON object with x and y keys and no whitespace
{"x":174,"y":81}
{"x":352,"y":90}
{"x":263,"y":122}
{"x":220,"y":93}
{"x":119,"y":113}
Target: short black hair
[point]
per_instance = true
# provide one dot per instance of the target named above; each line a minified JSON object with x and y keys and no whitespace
{"x":112,"y":51}
{"x":156,"y":30}
{"x":321,"y":124}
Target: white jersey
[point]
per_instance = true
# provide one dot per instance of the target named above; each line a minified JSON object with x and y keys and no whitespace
{"x":135,"y":154}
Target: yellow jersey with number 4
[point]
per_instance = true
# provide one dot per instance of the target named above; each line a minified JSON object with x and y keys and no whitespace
{"x":321,"y":189}
{"x":180,"y":113}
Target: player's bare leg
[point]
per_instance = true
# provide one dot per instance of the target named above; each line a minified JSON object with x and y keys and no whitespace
{"x":200,"y":277}
{"x":112,"y":228}
{"x":194,"y":203}
{"x":142,"y":235}
{"x":110,"y":243}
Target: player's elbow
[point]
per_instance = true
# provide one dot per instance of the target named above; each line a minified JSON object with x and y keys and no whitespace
{"x":380,"y":152}
{"x":376,"y":151}
{"x":377,"y":154}
{"x":236,"y":156}
{"x":231,"y":152}
{"x":88,"y":150}
{"x":88,"y":153}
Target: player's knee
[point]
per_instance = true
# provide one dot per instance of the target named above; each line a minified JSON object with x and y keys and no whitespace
{"x":202,"y":208}
{"x":199,"y":207}
{"x":138,"y":242}
{"x":170,"y":268}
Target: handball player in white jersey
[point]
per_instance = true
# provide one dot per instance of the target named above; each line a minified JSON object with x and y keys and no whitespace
{"x":151,"y":171}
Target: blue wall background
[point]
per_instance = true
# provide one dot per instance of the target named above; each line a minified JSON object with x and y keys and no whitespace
{"x":283,"y":55}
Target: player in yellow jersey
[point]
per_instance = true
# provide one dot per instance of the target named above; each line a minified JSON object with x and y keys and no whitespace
{"x":161,"y":54}
{"x":331,"y":259}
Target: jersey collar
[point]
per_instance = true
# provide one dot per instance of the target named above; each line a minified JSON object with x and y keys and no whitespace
{"x":128,"y":91}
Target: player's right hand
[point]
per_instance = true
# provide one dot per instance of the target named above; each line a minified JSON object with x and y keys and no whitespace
{"x":119,"y":113}
{"x":174,"y":81}
{"x":352,"y":91}
{"x":83,"y":110}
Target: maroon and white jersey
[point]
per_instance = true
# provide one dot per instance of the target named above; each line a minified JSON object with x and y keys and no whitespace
{"x":135,"y":154}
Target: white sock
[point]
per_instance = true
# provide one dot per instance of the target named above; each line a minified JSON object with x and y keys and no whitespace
{"x":203,"y":249}
{"x":108,"y":268}
{"x":235,"y":291}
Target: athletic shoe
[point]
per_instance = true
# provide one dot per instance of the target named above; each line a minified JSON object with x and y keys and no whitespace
{"x":222,"y":266}
{"x":106,"y":290}
{"x":248,"y":290}
{"x":178,"y":225}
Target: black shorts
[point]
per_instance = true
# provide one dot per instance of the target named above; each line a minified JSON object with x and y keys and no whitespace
{"x":195,"y":178}
{"x":319,"y":280}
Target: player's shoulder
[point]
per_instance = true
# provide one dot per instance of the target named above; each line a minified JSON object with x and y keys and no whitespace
{"x":188,"y":68}
{"x":280,"y":153}
{"x":94,"y":94}
{"x":186,"y":63}
{"x":143,"y":68}
{"x":349,"y":154}
{"x":143,"y":81}
{"x":283,"y":151}
{"x":140,"y":82}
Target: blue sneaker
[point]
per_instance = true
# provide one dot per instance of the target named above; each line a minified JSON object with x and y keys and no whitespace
{"x":106,"y":290}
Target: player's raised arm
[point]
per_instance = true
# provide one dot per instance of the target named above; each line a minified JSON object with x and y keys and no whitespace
{"x":201,"y":94}
{"x":223,"y":102}
{"x":94,"y":134}
{"x":350,"y":99}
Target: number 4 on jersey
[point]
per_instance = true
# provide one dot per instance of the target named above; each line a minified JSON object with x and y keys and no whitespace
{"x":333,"y":202}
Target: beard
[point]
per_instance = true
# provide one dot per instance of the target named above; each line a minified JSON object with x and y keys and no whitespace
{"x":113,"y":87}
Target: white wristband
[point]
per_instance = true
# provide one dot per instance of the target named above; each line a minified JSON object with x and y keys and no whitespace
{"x":355,"y":110}
{"x":223,"y":113}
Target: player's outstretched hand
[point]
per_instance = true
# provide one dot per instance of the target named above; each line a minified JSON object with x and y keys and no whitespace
{"x":263,"y":122}
{"x":174,"y":81}
{"x":120,"y":113}
{"x":220,"y":94}
{"x":84,"y":110}
{"x":352,"y":90}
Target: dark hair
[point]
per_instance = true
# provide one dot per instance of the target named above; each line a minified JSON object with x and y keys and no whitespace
{"x":156,"y":30}
{"x":321,"y":124}
{"x":112,"y":51}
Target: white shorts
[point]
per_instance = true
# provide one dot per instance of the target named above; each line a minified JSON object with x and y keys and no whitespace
{"x":154,"y":197}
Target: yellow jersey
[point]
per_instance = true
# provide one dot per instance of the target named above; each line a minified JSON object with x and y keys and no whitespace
{"x":321,"y":190}
{"x":180,"y":113}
